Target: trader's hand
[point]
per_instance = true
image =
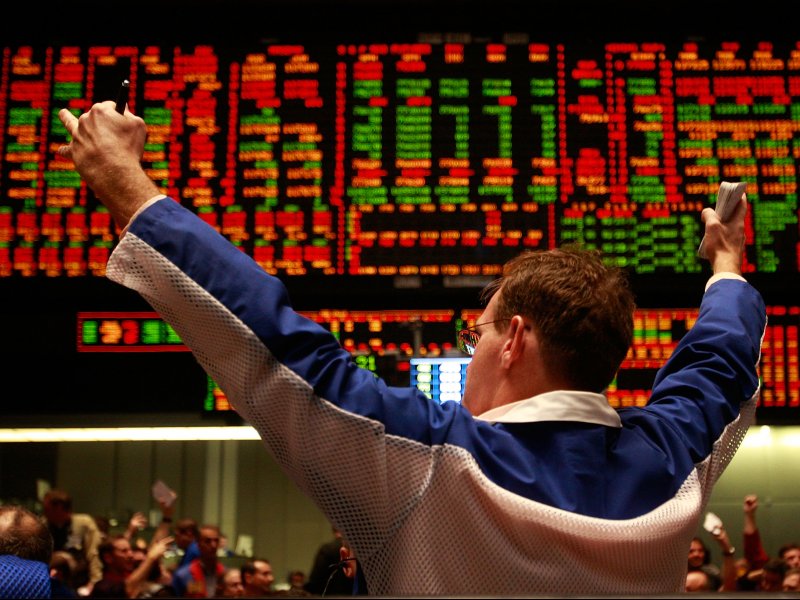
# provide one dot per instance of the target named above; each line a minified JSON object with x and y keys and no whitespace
{"x":106,"y":148}
{"x":724,"y":242}
{"x":750,"y":504}
{"x":137,"y":522}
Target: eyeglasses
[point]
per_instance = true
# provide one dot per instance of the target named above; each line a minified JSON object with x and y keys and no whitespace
{"x":467,"y":339}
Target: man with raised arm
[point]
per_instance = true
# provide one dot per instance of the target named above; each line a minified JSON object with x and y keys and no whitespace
{"x":532,"y":485}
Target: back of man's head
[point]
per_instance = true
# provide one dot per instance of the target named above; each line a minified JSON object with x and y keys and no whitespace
{"x":23,"y":534}
{"x":581,"y":310}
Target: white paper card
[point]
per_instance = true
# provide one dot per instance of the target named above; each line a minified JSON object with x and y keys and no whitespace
{"x":163,"y":493}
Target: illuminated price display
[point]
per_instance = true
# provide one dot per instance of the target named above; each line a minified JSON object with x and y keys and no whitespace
{"x":439,"y":371}
{"x":442,"y":379}
{"x":126,"y":332}
{"x":444,"y":155}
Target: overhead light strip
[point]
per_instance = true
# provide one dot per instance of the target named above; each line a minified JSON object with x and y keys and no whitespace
{"x":128,"y":434}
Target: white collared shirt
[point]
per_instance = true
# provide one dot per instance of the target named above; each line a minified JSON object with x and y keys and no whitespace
{"x":559,"y":405}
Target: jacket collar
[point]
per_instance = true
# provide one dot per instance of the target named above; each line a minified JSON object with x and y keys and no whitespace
{"x":560,"y":405}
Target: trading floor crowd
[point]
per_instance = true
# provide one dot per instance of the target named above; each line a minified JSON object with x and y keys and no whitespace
{"x":66,"y":554}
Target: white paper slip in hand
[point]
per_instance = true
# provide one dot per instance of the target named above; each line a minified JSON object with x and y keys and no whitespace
{"x":727,"y":200}
{"x":712,"y":524}
{"x":163,"y":493}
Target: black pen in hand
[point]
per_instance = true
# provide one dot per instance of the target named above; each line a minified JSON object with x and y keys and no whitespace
{"x":122,"y":97}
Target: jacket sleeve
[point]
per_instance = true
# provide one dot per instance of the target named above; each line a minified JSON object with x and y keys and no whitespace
{"x":92,"y":537}
{"x":754,"y":550}
{"x":704,"y":397}
{"x":340,"y":433}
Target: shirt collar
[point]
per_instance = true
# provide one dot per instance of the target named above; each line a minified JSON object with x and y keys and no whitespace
{"x":560,"y":405}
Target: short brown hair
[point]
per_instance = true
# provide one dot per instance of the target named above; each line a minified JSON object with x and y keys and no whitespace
{"x":107,"y":547}
{"x":581,"y":310}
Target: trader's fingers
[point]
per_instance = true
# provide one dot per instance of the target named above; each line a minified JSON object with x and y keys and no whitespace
{"x":70,"y":123}
{"x":709,"y":215}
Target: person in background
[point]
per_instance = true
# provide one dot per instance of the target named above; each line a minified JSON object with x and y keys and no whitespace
{"x":122,"y":577}
{"x":257,"y":578}
{"x":62,"y":569}
{"x":698,"y":581}
{"x":185,"y":535}
{"x":26,"y":548}
{"x":753,"y":547}
{"x":186,"y":541}
{"x":117,"y":556}
{"x":743,"y":584}
{"x":789,"y":553}
{"x":335,"y":571}
{"x":230,"y":586}
{"x":103,"y":524}
{"x":22,"y":534}
{"x":532,"y":467}
{"x":791,"y":580}
{"x":729,"y":573}
{"x":770,"y":577}
{"x":325,"y":573}
{"x":224,"y":550}
{"x":297,"y":584}
{"x":136,"y":524}
{"x":158,"y":580}
{"x":348,"y":563}
{"x":76,"y":533}
{"x":199,"y":578}
{"x":700,"y":560}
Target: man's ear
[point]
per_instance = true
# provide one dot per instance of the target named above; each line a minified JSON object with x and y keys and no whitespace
{"x":514,"y":344}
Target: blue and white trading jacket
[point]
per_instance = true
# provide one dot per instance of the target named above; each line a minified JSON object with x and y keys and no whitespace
{"x":555,"y":494}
